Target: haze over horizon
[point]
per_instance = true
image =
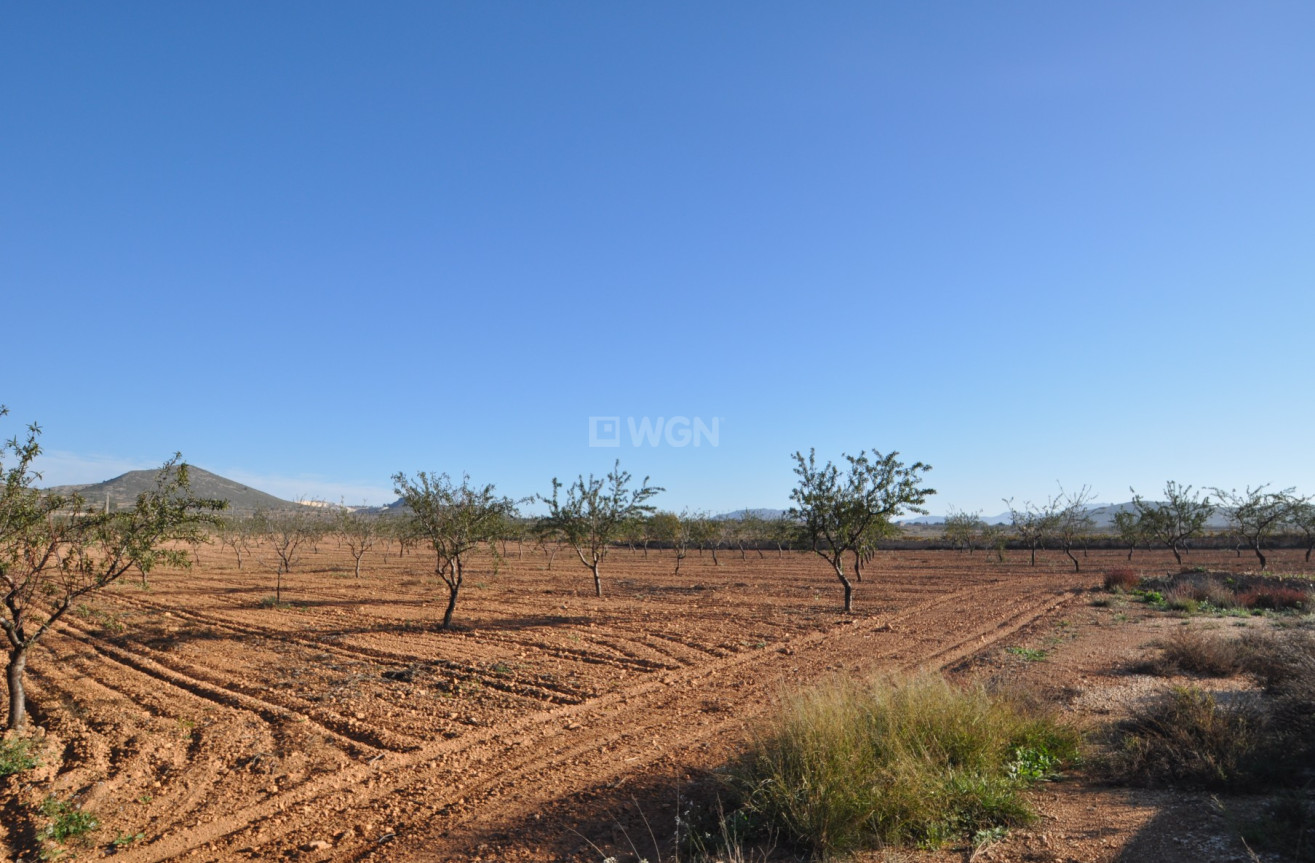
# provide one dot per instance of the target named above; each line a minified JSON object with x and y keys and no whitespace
{"x":315,"y":244}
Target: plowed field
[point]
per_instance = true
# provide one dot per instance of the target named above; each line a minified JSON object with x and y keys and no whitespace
{"x":196,"y":719}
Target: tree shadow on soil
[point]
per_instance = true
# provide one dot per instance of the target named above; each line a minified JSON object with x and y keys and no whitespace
{"x":628,"y":819}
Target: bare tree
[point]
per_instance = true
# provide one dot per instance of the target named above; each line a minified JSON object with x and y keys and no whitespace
{"x":358,"y":532}
{"x":454,"y":520}
{"x":287,"y":531}
{"x":237,"y":533}
{"x":1032,"y":524}
{"x":837,"y":512}
{"x":1073,"y":522}
{"x":593,"y":513}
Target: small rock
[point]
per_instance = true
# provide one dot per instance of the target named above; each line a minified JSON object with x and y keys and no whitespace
{"x":317,"y":845}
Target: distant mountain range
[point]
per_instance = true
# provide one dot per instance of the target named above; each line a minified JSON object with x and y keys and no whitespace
{"x":1102,"y":517}
{"x":741,"y":514}
{"x":122,"y":491}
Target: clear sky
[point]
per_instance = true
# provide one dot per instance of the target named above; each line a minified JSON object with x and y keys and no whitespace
{"x":313,"y":244}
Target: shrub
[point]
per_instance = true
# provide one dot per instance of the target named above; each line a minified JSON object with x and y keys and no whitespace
{"x":1280,"y":661}
{"x":852,"y":765}
{"x":1195,"y":652}
{"x":1218,"y":594}
{"x":1121,"y":579}
{"x":1275,"y":597}
{"x":1187,"y":737}
{"x":1183,"y":598}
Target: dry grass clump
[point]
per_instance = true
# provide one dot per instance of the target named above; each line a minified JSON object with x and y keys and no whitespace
{"x":1189,"y":737}
{"x":1195,"y":652}
{"x":854,"y":765}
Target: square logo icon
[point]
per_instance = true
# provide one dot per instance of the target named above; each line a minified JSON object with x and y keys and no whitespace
{"x":604,"y":431}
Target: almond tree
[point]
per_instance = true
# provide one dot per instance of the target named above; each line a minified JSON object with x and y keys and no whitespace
{"x":1255,"y":514}
{"x":1301,"y":518}
{"x":236,"y":533}
{"x":838,"y":512}
{"x":1175,"y":520}
{"x":1130,"y":528}
{"x":287,"y":530}
{"x":454,"y":520}
{"x":594,"y":512}
{"x":1073,"y":522}
{"x":358,"y":532}
{"x":56,"y":549}
{"x":962,"y":529}
{"x":1034,"y":525}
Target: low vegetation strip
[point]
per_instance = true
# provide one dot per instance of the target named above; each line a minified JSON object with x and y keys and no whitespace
{"x":856,"y":765}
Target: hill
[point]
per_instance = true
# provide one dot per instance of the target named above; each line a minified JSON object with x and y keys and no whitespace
{"x":122,"y":491}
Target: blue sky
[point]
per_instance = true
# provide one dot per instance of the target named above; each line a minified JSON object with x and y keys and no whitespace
{"x":313,"y":244}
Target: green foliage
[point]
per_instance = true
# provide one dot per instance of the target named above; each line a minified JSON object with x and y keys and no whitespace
{"x":16,"y":755}
{"x":1254,"y":515}
{"x":56,"y":549}
{"x":1027,"y":654}
{"x":65,"y":821}
{"x":850,"y":766}
{"x":963,"y":529}
{"x":454,"y":520}
{"x":1063,"y":519}
{"x":1173,"y":521}
{"x":594,"y":512}
{"x":843,"y":514}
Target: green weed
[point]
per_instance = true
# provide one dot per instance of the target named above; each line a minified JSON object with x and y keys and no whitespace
{"x":852,"y":766}
{"x":65,"y":821}
{"x":17,"y":754}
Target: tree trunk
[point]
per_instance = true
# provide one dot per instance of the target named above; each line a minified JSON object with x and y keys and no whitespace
{"x":1176,"y":556}
{"x":598,"y":582}
{"x":858,"y":568}
{"x":715,"y":562}
{"x":849,"y":588}
{"x":1255,"y":546}
{"x":17,"y":695}
{"x":452,"y":590}
{"x":1076,"y":566}
{"x":1034,"y":555}
{"x":358,"y":565}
